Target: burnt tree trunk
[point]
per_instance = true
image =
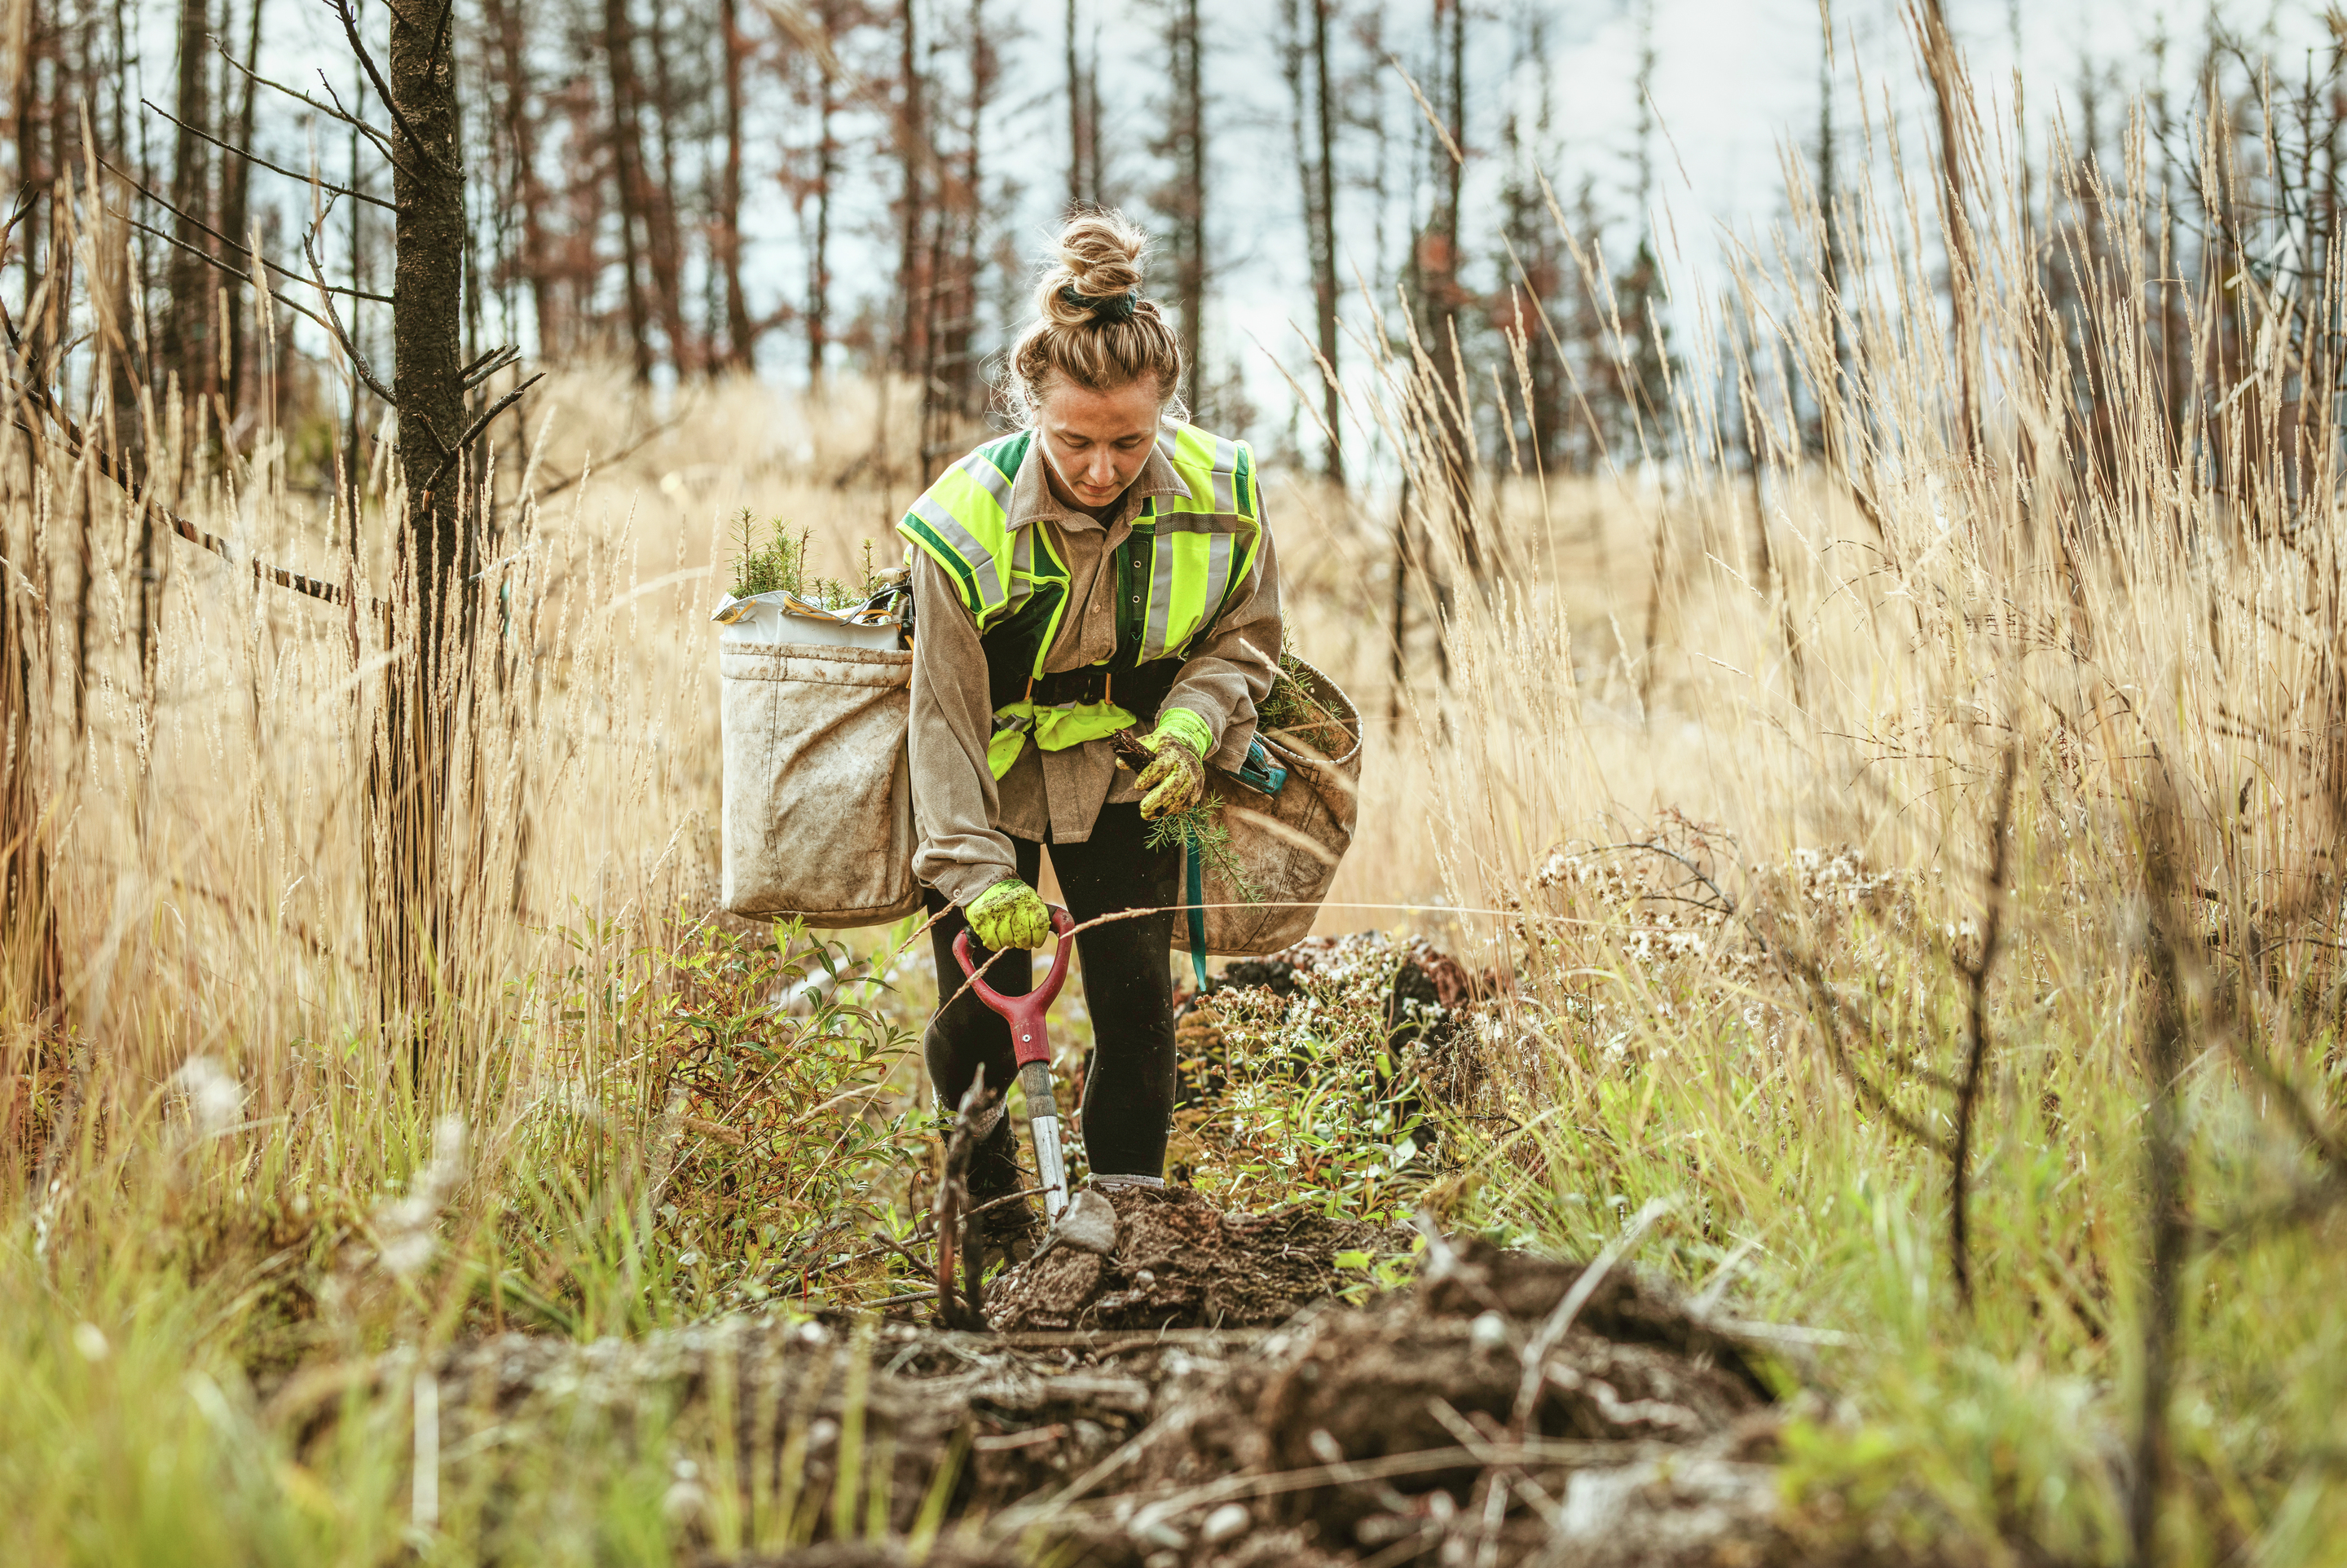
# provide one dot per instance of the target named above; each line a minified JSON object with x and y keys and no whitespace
{"x":1185,"y":203}
{"x":427,"y":293}
{"x":29,"y":959}
{"x":1324,"y":241}
{"x":236,"y":180}
{"x":1439,"y":261}
{"x":1828,"y":188}
{"x":25,"y":97}
{"x":912,"y":152}
{"x":827,"y":159}
{"x":188,"y":349}
{"x":627,"y":173}
{"x":1079,"y":192}
{"x":741,"y":337}
{"x":1948,"y":91}
{"x":960,"y":324}
{"x":508,"y":30}
{"x":667,"y":244}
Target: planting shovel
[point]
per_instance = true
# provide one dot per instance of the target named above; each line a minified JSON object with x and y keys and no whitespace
{"x":1025,"y":1017}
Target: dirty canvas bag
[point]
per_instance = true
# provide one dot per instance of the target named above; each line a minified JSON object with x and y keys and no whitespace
{"x":1287,"y":845}
{"x":818,"y":802}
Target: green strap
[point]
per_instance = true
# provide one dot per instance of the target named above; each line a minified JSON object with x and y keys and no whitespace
{"x":1196,"y":903}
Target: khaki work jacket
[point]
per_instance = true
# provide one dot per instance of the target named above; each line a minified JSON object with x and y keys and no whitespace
{"x":965,"y":819}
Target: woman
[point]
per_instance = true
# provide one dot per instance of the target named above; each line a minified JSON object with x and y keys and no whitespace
{"x":1105,"y":568}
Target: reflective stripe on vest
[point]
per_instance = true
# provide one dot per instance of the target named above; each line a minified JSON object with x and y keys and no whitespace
{"x":1192,"y":550}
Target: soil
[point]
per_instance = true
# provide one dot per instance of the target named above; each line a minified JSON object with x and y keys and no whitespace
{"x":1181,"y":1263}
{"x":1197,"y":1398}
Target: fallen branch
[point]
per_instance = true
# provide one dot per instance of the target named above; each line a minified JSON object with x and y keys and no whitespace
{"x":79,"y":444}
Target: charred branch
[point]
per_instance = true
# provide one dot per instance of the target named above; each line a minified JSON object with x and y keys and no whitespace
{"x":240,"y":246}
{"x":334,"y":325}
{"x":350,"y":22}
{"x":253,"y":158}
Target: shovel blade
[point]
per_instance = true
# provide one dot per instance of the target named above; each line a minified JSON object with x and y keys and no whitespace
{"x":1051,"y":1164}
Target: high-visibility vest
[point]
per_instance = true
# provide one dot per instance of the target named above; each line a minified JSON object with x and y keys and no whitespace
{"x":1186,"y":556}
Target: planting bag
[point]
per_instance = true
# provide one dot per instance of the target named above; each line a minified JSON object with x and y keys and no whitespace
{"x":819,"y":814}
{"x":1287,"y":844}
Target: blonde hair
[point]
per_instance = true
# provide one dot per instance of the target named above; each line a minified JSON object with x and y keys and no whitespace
{"x":1105,"y":346}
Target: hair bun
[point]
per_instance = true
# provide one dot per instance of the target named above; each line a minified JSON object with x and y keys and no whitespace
{"x":1093,"y":328}
{"x":1100,"y":257}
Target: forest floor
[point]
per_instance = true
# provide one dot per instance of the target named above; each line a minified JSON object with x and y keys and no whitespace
{"x":1208,"y":1398}
{"x":1168,"y":1382}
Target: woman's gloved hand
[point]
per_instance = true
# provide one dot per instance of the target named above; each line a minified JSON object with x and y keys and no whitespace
{"x":1176,"y":775}
{"x":1009,"y":915}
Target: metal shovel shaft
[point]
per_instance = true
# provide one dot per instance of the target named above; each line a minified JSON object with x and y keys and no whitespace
{"x":1043,"y":1121}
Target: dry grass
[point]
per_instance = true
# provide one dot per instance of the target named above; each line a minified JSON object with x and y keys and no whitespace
{"x":226,"y":1166}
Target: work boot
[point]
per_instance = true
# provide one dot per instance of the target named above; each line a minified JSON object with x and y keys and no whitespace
{"x":1010,"y":1231}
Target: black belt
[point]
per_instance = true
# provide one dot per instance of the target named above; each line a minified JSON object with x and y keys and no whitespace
{"x":1137,"y":691}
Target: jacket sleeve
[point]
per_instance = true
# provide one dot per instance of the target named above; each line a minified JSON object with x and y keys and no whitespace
{"x":1232,"y":669}
{"x":954,"y":798}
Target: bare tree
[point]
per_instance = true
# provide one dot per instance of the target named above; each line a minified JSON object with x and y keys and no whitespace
{"x":1324,"y":240}
{"x":507,"y":23}
{"x":628,"y":174}
{"x":1079,"y":129}
{"x":741,"y":333}
{"x":30,"y":967}
{"x":187,"y":346}
{"x":236,"y":185}
{"x":1183,"y":198}
{"x":1441,"y":293}
{"x":914,"y":156}
{"x":664,"y":234}
{"x":815,"y":189}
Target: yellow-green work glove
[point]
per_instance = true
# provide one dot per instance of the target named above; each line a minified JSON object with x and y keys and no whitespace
{"x":1176,"y":775}
{"x":1009,"y":915}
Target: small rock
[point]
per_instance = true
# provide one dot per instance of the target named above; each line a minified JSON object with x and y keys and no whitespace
{"x":1227,"y":1523}
{"x":1488,"y":1332}
{"x":1088,"y":1225}
{"x":1154,"y":1526}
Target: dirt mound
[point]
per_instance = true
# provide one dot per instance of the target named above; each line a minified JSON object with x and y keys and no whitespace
{"x":1126,"y":1417}
{"x":1181,"y":1263}
{"x":1446,"y":1422}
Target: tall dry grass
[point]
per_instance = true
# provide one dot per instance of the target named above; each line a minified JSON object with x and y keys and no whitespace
{"x":1725,"y":743}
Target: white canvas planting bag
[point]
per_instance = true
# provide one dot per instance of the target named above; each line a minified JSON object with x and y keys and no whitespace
{"x":818,"y":801}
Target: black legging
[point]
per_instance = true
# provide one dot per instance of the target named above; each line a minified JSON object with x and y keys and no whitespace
{"x":1128,"y":987}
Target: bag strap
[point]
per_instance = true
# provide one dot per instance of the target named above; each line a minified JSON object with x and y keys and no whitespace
{"x":1195,"y":900}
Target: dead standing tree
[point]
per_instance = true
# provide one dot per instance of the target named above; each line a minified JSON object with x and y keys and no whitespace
{"x":1312,"y":123}
{"x":1183,"y":199}
{"x":431,"y":618}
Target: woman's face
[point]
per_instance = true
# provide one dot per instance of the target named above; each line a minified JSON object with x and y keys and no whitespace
{"x":1097,"y":441}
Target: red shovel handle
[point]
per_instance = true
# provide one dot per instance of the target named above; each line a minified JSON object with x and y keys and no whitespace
{"x":1024,"y":1014}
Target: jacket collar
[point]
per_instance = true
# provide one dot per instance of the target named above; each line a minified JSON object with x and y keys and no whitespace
{"x":1032,"y":500}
